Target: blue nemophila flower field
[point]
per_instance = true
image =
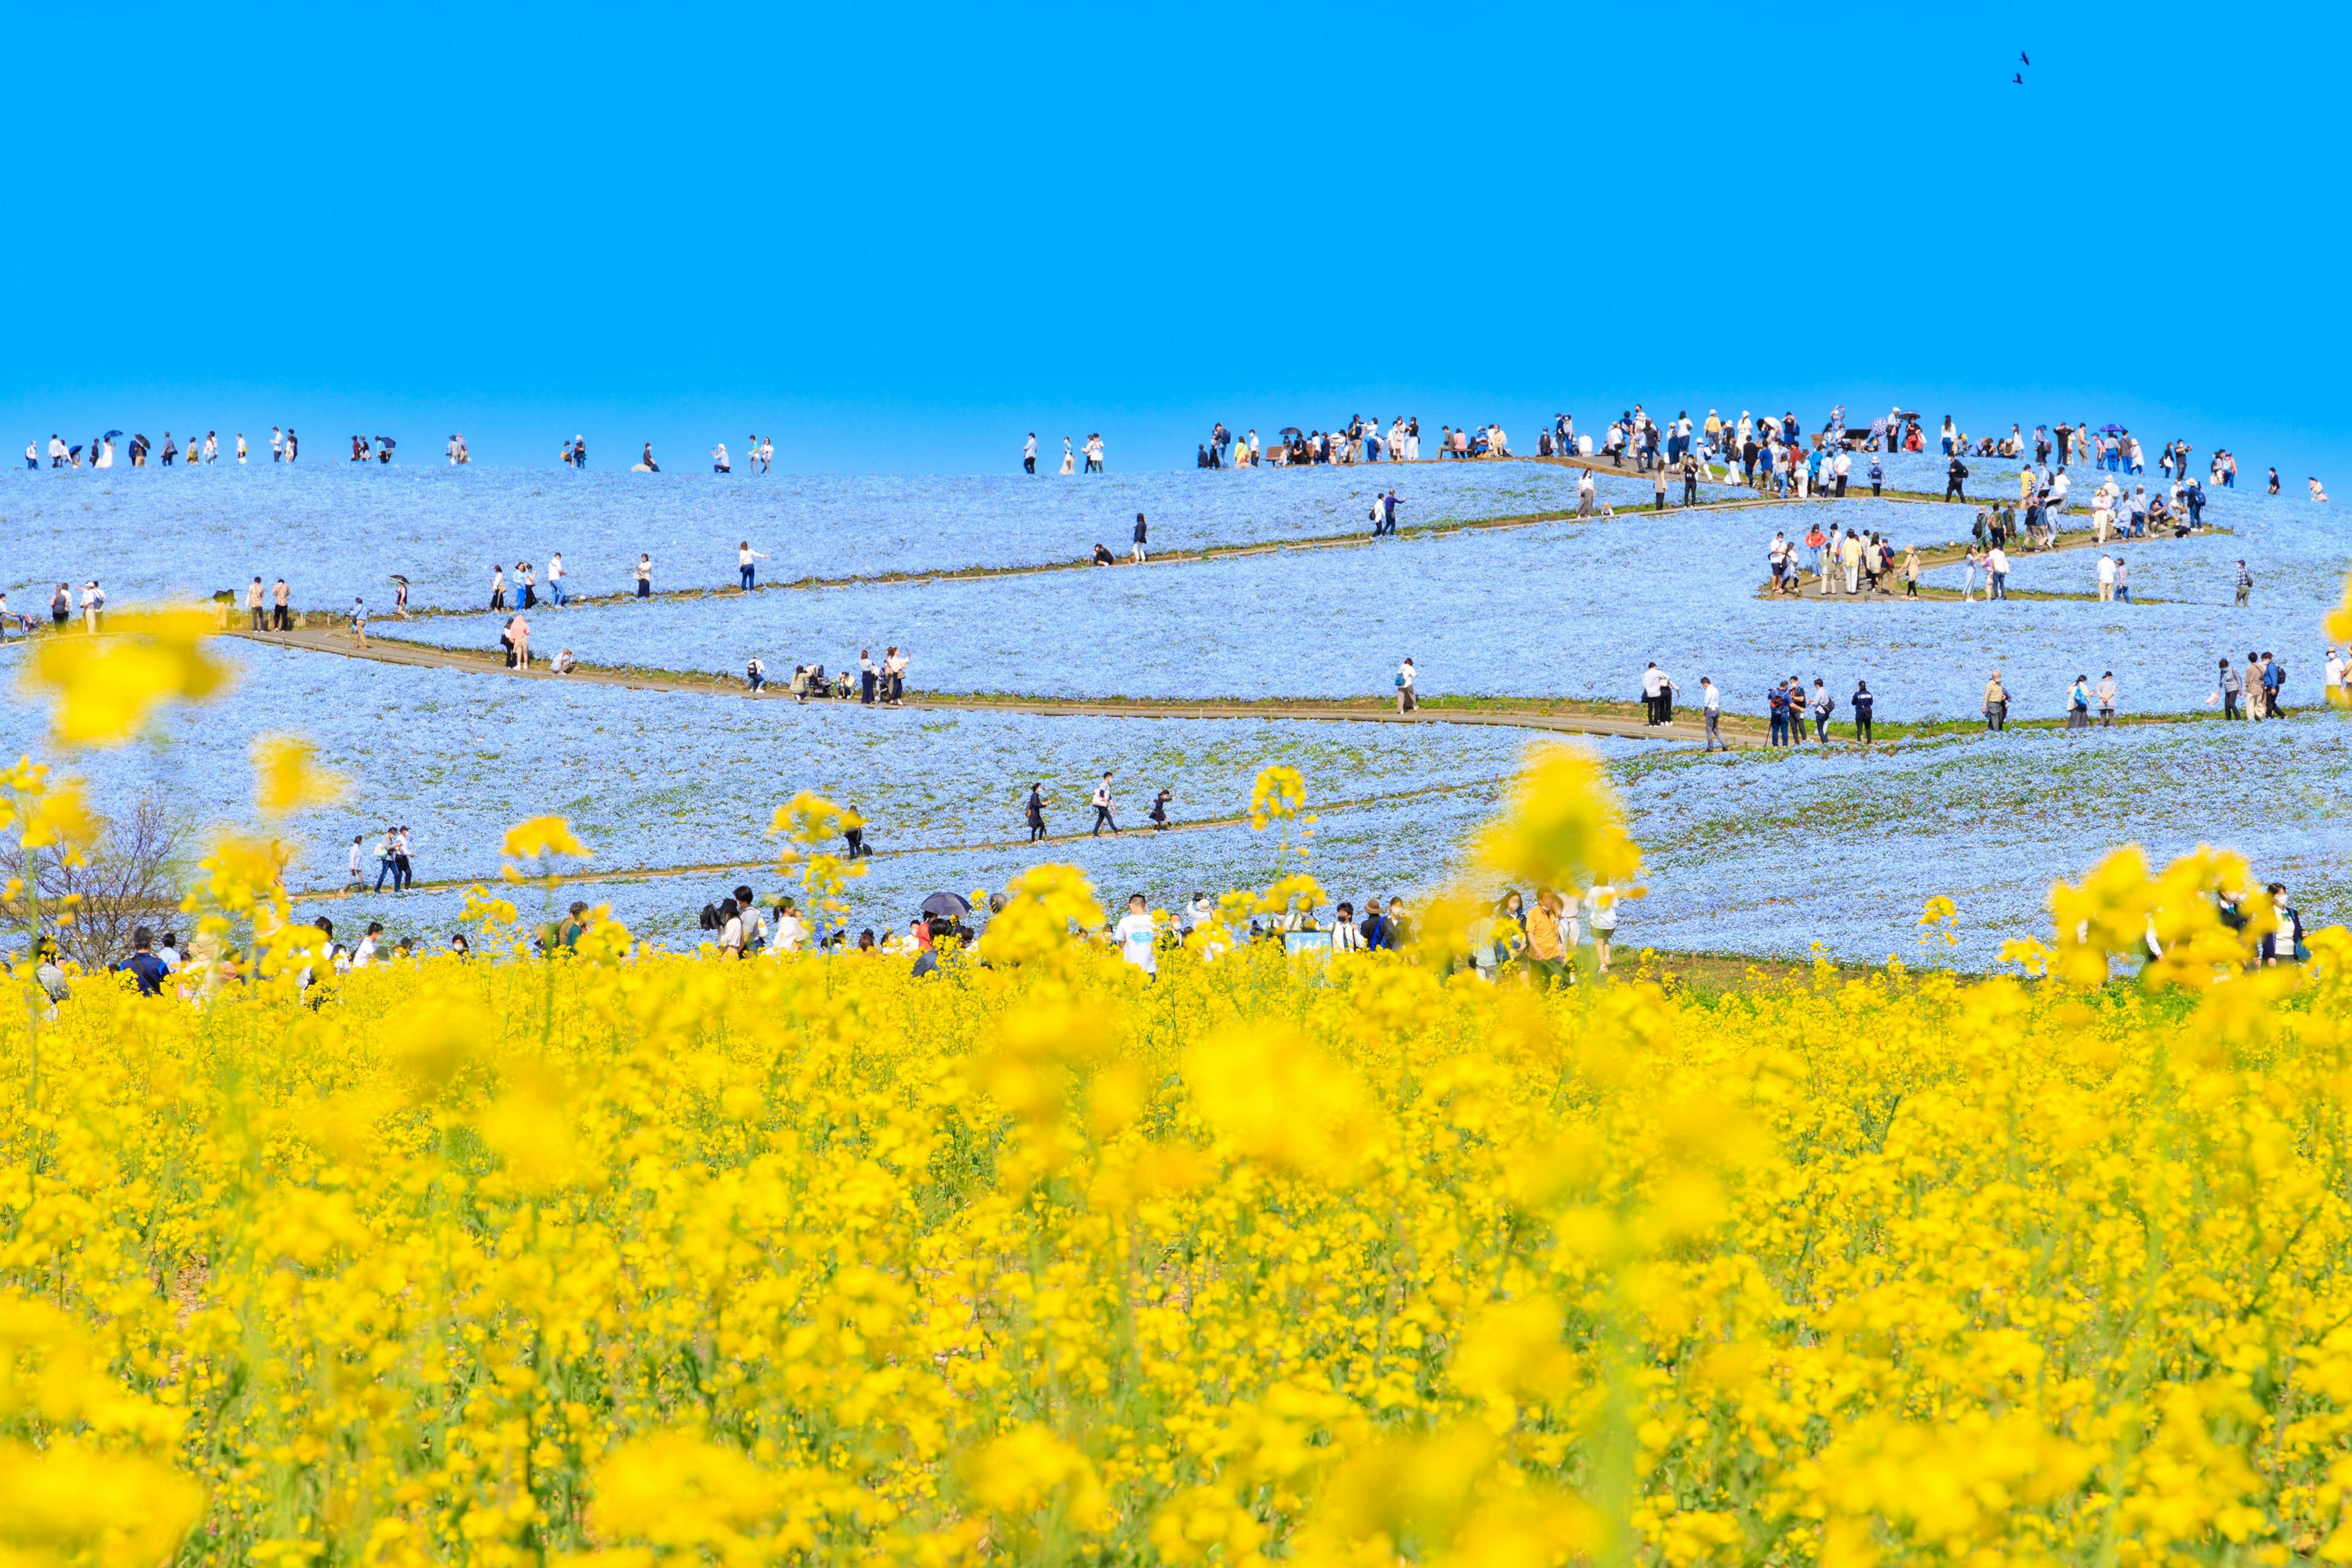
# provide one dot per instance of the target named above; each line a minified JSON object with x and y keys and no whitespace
{"x":336,"y":530}
{"x":1571,"y":609}
{"x":652,"y":779}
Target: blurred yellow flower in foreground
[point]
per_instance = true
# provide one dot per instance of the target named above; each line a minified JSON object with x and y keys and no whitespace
{"x":103,"y":689}
{"x":538,"y":838}
{"x":287,"y":779}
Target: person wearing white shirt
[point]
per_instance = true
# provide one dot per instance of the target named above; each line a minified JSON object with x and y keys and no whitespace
{"x":555,"y":577}
{"x":1997,"y":574}
{"x":1710,"y":703}
{"x":1602,"y":900}
{"x":276,"y":445}
{"x":790,"y":929}
{"x":744,"y":571}
{"x":719,"y":463}
{"x":1029,"y":454}
{"x":1345,"y":937}
{"x":1138,"y":937}
{"x":2335,"y":671}
{"x":2106,"y":578}
{"x":366,"y":954}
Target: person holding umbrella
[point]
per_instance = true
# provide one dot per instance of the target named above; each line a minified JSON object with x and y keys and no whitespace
{"x":383,"y":445}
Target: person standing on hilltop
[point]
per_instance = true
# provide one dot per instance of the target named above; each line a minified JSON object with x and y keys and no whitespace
{"x":1029,"y":455}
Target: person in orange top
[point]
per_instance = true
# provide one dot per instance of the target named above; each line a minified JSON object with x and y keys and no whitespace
{"x":1547,"y":959}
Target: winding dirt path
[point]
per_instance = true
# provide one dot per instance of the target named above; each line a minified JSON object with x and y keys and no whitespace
{"x":1623,"y":721}
{"x":987,"y":845}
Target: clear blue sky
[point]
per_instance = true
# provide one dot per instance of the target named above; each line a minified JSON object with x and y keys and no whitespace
{"x":897,"y":239}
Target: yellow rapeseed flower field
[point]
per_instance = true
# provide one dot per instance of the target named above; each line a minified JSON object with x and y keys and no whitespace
{"x":625,"y":1257}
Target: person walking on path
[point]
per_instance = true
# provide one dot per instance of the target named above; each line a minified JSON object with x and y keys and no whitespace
{"x":498,"y":586}
{"x":1710,"y":703}
{"x":281,"y":597}
{"x":644,"y":576}
{"x":869,"y":676}
{"x":1658,"y":484}
{"x":2123,"y":581}
{"x":1603,"y":901}
{"x":358,"y":622}
{"x":2107,"y":700}
{"x":1388,"y":511}
{"x":1029,"y":455}
{"x":2245,"y":584}
{"x":2106,"y":578}
{"x":253,"y":596}
{"x":1911,"y":573}
{"x":1864,"y":703}
{"x":1777,"y":703}
{"x":1952,"y":481}
{"x":1824,"y":706}
{"x":519,"y":642}
{"x":1408,"y":699}
{"x":1103,"y":817}
{"x":1996,"y":574}
{"x":1160,"y":810}
{"x":2229,"y":689}
{"x":1141,"y":536}
{"x":893,"y":675}
{"x":555,"y":579}
{"x":2078,"y":704}
{"x":1035,"y":810}
{"x":1996,"y":704}
{"x":746,"y":573}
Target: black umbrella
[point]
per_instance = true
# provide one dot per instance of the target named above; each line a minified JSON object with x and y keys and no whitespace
{"x":399,"y":579}
{"x":1290,"y":430}
{"x":948,"y":906}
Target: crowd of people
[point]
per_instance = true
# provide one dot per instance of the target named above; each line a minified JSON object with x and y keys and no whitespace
{"x":99,"y":451}
{"x":881,"y":683}
{"x":1539,"y":942}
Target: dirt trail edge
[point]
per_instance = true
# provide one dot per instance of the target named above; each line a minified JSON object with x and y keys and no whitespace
{"x":1575,"y":722}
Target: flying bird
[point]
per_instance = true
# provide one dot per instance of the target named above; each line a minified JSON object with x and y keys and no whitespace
{"x":2020,"y":55}
{"x":2018,"y":79}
